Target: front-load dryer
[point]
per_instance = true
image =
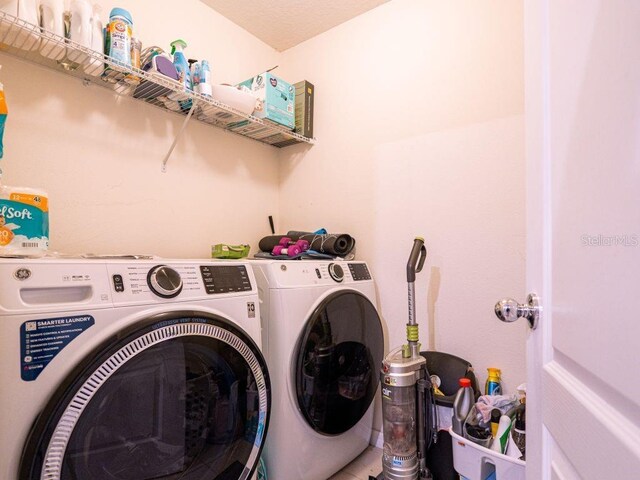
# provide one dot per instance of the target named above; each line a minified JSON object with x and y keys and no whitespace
{"x":130,"y":370}
{"x":323,"y":341}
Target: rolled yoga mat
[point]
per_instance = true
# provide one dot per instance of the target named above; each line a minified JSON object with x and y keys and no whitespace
{"x":338,"y":244}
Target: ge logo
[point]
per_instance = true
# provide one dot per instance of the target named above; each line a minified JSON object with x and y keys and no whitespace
{"x":22,"y":274}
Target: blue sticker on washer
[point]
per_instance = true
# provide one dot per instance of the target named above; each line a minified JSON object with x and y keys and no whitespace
{"x":42,"y":340}
{"x":260,"y":431}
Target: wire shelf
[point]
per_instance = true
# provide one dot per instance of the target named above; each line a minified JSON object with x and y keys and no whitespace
{"x":31,"y":43}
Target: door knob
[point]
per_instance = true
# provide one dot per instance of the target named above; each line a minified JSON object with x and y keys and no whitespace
{"x":508,"y":310}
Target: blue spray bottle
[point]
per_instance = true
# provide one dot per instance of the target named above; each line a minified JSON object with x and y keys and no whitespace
{"x":184,"y":73}
{"x":181,"y":63}
{"x":3,"y":118}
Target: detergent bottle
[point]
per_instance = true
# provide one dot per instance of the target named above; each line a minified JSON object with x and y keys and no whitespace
{"x":52,"y":20}
{"x":181,"y":63}
{"x":462,"y":404}
{"x":19,"y":35}
{"x":94,"y":67}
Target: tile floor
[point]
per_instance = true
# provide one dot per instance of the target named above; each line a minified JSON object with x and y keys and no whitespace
{"x":369,"y":463}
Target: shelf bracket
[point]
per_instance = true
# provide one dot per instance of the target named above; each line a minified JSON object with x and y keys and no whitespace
{"x":178,"y":135}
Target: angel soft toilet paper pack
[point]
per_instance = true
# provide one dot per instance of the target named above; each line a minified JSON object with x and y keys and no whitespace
{"x":24,"y":221}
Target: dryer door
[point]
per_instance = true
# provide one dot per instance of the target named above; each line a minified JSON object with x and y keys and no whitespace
{"x":186,"y":396}
{"x":338,"y":357}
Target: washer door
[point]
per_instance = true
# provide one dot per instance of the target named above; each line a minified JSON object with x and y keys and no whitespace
{"x":187,"y":396}
{"x":337,"y":360}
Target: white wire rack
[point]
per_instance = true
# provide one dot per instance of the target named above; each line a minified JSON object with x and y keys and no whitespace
{"x":34,"y":45}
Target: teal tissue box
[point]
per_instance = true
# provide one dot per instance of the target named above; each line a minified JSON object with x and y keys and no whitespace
{"x":277,"y":99}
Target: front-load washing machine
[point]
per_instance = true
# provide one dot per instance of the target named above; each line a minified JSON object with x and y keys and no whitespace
{"x":323,"y":341}
{"x":130,"y":370}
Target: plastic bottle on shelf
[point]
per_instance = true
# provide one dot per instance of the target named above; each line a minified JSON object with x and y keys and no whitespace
{"x":519,"y":432}
{"x":24,"y":37}
{"x":95,"y":67}
{"x":136,"y":50}
{"x":181,"y":63}
{"x":493,"y":385}
{"x":184,"y":75}
{"x":3,"y":118}
{"x":80,"y":29}
{"x":462,"y":404}
{"x":52,"y":21}
{"x":118,"y":36}
{"x":204,"y":80}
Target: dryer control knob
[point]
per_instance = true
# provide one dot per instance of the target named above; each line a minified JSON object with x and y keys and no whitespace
{"x":336,"y":272}
{"x":164,"y":281}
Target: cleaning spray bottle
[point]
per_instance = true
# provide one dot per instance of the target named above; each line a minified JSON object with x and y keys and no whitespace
{"x":184,"y":74}
{"x":181,"y":63}
{"x":3,"y":119}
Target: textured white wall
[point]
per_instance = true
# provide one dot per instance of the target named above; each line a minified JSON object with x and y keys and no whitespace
{"x":99,"y":156}
{"x":419,"y":120}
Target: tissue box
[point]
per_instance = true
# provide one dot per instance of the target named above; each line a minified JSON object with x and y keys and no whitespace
{"x":277,"y":98}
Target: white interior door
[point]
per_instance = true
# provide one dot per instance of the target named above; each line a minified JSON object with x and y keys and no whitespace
{"x":582,"y":72}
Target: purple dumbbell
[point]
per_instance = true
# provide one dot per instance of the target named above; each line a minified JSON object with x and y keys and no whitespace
{"x":291,"y":250}
{"x":304,"y":245}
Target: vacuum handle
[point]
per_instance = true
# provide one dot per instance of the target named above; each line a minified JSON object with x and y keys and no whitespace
{"x":416,"y":259}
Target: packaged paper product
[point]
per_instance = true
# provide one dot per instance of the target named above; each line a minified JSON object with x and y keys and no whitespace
{"x":24,"y":221}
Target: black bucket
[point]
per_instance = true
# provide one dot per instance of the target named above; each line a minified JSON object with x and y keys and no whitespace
{"x":450,"y":369}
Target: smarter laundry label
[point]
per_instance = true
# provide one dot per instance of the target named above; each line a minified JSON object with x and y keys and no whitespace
{"x":42,"y":340}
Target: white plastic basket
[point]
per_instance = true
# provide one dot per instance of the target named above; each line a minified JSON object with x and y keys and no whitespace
{"x":479,"y":463}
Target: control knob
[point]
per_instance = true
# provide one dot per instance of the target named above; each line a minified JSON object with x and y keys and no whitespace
{"x":336,"y":272}
{"x":164,"y":281}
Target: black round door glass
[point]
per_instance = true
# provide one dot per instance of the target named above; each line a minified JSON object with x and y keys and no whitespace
{"x":338,"y":357}
{"x":185,"y":408}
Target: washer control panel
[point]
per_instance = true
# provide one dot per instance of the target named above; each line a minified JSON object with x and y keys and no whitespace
{"x":145,"y":280}
{"x":30,"y":284}
{"x":225,"y":278}
{"x":136,"y":282}
{"x":293,"y":274}
{"x":359,"y":271}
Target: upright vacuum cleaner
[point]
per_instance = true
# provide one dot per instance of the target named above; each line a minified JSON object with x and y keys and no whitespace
{"x":408,"y":409}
